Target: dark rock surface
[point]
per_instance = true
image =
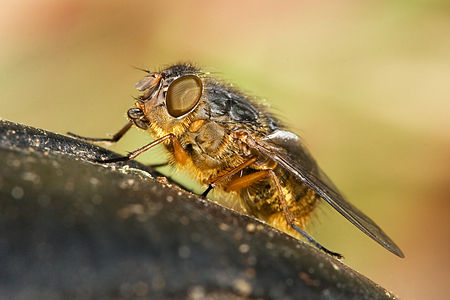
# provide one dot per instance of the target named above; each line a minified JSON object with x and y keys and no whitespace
{"x":73,"y":229}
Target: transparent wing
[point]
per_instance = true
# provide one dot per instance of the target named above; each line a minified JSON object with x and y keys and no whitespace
{"x":287,"y":150}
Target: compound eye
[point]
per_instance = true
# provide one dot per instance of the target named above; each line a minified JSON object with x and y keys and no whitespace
{"x":183,"y":95}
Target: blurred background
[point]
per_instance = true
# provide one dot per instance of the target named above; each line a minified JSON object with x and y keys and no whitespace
{"x":365,"y":83}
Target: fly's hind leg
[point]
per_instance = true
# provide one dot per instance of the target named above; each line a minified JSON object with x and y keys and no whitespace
{"x":291,"y":220}
{"x":247,"y":180}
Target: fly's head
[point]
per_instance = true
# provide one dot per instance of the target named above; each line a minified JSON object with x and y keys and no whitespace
{"x":172,"y":99}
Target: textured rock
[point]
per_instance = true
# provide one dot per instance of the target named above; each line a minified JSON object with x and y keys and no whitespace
{"x":74,"y":229}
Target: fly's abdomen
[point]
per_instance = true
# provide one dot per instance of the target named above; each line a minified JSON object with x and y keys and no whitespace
{"x":261,"y":200}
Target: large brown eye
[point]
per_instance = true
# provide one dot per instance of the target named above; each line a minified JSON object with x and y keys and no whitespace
{"x":183,"y":95}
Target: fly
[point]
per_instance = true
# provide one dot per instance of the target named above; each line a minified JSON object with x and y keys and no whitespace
{"x":230,"y":142}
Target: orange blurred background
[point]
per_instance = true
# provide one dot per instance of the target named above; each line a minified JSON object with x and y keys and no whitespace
{"x":365,"y":83}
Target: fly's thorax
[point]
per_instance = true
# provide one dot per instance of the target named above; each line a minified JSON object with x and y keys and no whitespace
{"x":237,"y":110}
{"x":210,"y":148}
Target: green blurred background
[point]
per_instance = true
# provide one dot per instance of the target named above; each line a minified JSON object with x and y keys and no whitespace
{"x":366,"y":83}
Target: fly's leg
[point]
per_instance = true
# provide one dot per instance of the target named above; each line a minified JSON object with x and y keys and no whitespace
{"x":248,"y":180}
{"x":180,"y":154}
{"x":291,"y":220}
{"x":221,"y":178}
{"x":116,"y":137}
{"x":158,"y":165}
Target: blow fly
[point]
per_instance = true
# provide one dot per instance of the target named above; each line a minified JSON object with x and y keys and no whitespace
{"x":230,"y":142}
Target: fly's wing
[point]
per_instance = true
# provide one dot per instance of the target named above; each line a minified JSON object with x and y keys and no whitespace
{"x":287,"y":150}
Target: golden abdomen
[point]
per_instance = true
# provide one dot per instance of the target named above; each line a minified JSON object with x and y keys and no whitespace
{"x":261,"y":200}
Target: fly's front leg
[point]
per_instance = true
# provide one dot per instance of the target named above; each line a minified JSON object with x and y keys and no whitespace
{"x":116,"y":137}
{"x":136,"y":116}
